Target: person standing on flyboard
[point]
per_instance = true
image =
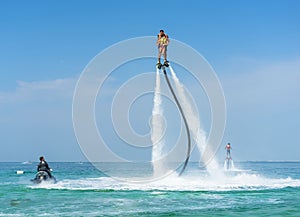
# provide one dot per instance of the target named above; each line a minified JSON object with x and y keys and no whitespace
{"x":228,"y":148}
{"x":162,"y":44}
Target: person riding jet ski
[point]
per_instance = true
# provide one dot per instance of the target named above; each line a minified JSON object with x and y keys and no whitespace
{"x":43,"y":166}
{"x":44,"y":172}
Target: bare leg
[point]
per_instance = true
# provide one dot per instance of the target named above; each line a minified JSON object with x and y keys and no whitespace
{"x":228,"y":154}
{"x":159,"y":53}
{"x":165,"y":52}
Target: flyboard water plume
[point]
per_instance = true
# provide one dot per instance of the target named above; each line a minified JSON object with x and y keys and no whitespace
{"x":194,"y":124}
{"x":157,"y":130}
{"x":229,"y":164}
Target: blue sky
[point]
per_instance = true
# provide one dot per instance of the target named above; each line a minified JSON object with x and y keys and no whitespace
{"x":252,"y":45}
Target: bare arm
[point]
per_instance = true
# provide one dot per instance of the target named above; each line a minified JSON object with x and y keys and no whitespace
{"x":158,"y":38}
{"x":168,"y":40}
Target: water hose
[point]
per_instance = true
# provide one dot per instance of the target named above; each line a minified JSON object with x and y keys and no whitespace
{"x":185,"y":122}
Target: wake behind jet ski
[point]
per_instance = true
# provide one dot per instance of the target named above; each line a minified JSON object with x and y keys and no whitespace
{"x":44,"y":172}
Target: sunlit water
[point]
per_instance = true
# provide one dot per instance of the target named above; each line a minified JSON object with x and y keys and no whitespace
{"x":251,"y":189}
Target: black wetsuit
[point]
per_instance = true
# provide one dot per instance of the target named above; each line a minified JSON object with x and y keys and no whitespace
{"x":43,"y":166}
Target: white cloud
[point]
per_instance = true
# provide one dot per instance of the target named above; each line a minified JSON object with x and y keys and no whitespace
{"x":40,"y":90}
{"x":272,"y":84}
{"x":262,"y":107}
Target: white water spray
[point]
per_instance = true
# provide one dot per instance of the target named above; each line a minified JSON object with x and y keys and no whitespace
{"x":232,"y":165}
{"x":157,"y":123}
{"x":194,"y":124}
{"x":229,"y":164}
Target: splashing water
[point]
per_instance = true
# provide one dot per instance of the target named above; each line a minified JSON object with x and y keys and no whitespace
{"x":232,"y":165}
{"x":229,"y":165}
{"x":194,"y":123}
{"x":192,"y":182}
{"x":157,"y":131}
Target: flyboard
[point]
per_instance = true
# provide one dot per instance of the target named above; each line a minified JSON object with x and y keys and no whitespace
{"x":228,"y":164}
{"x":163,"y":68}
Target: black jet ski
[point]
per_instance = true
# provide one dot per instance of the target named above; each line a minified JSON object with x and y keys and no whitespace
{"x":42,"y":176}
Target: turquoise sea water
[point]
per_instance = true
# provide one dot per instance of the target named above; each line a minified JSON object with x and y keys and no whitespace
{"x":252,"y":189}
